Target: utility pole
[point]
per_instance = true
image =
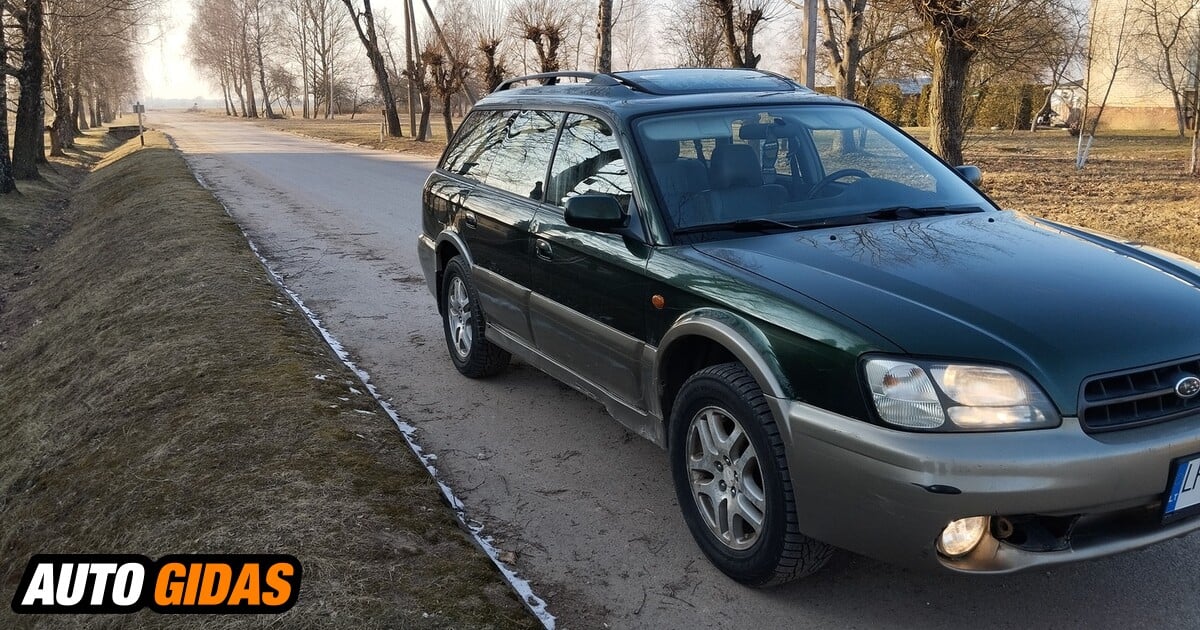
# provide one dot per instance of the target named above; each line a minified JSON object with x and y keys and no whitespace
{"x":809,"y":25}
{"x":808,"y":28}
{"x":408,"y":50}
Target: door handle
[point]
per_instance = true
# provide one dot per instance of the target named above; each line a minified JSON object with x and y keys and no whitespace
{"x":470,"y":220}
{"x":543,"y":250}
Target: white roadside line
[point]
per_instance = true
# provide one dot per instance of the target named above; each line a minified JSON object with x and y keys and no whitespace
{"x":520,"y":585}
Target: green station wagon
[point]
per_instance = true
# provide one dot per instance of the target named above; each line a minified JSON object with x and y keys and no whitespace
{"x":840,"y":341}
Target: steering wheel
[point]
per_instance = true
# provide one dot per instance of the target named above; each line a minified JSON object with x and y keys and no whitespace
{"x":834,"y":176}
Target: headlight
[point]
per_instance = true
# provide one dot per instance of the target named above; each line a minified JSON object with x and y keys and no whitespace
{"x":940,"y":396}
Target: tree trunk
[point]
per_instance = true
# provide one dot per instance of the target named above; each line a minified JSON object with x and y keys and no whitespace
{"x":262,"y":81}
{"x":251,"y":107}
{"x":77,"y":102}
{"x":423,"y":125}
{"x":951,"y":62}
{"x":604,"y":37}
{"x":7,"y":184}
{"x":28,"y":139}
{"x":447,"y":106}
{"x":370,"y":41}
{"x":81,"y":122}
{"x":725,"y":10}
{"x":94,"y":110}
{"x":60,"y":128}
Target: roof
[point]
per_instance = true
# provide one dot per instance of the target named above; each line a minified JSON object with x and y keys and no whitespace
{"x":647,"y":91}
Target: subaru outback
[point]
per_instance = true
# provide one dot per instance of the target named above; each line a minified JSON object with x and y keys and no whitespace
{"x":840,"y":341}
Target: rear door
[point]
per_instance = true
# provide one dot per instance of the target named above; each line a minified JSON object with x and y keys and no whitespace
{"x":590,"y":293}
{"x":513,"y":155}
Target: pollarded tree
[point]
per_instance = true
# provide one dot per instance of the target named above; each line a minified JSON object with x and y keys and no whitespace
{"x":545,"y":24}
{"x":740,"y":22}
{"x":1006,"y":31}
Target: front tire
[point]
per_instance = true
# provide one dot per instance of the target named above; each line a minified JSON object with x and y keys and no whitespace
{"x":464,"y":326}
{"x":731,"y":479}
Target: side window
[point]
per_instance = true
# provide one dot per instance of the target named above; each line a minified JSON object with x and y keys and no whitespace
{"x":518,"y":163}
{"x":481,"y":133}
{"x":588,"y":161}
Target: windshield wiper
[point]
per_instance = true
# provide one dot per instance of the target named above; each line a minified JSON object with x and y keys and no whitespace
{"x":910,"y":212}
{"x":890,"y":213}
{"x":740,"y":225}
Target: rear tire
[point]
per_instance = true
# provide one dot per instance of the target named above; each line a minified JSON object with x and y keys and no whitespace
{"x":731,"y":478}
{"x":464,"y":325}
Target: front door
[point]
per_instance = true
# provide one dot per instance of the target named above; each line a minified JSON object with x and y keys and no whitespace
{"x":590,"y":293}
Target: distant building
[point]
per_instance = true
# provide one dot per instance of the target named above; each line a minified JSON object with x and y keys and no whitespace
{"x":1139,"y":98}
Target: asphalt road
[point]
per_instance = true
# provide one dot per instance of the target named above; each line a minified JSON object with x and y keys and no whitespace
{"x":586,"y":507}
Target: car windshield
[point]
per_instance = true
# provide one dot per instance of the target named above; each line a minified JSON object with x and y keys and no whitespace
{"x":719,"y":172}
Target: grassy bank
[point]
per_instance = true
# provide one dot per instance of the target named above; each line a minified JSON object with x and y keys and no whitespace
{"x":160,"y":395}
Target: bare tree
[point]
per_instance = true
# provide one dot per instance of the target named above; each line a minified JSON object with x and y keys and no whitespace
{"x":445,"y":80}
{"x":740,"y":21}
{"x":631,"y":31}
{"x":1005,"y":32}
{"x":28,"y":139}
{"x":364,"y":24}
{"x":262,"y":24}
{"x":1109,"y":47}
{"x":1163,"y":31}
{"x":489,"y":42}
{"x":1060,"y":55}
{"x":856,"y":29}
{"x":695,"y":36}
{"x":544,"y":23}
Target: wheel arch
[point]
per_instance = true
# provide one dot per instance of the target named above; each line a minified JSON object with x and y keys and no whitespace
{"x":448,"y":245}
{"x":706,"y":337}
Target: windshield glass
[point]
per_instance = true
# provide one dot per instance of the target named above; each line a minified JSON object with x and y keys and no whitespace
{"x":795,"y":164}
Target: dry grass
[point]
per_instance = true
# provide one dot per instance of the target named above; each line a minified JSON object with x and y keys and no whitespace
{"x":364,"y":131}
{"x":1133,"y":185}
{"x":159,"y":396}
{"x":34,"y":215}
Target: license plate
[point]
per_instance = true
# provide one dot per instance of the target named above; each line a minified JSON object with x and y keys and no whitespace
{"x":1183,"y":495}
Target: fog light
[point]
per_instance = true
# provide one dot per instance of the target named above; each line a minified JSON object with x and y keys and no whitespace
{"x":963,"y":535}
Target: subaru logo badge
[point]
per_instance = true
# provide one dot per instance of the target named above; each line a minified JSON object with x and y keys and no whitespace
{"x":1188,"y":387}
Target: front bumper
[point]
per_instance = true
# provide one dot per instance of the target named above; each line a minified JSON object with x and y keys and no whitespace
{"x":866,"y":488}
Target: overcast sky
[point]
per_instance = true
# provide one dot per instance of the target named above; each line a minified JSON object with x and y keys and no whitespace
{"x":168,"y":73}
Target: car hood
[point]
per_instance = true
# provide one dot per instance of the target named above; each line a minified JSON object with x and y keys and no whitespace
{"x":1059,"y":303}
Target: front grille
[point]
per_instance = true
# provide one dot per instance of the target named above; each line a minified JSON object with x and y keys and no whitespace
{"x":1137,"y":397}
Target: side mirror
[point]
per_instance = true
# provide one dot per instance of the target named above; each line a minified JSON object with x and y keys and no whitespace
{"x":596,"y":212}
{"x":970,"y":173}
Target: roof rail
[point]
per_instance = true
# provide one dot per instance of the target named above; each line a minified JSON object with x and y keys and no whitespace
{"x":551,"y":78}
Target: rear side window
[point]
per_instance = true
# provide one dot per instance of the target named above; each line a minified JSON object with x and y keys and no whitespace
{"x":481,"y":133}
{"x":588,"y":161}
{"x":518,"y":161}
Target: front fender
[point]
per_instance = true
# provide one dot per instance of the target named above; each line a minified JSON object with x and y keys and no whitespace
{"x":737,"y":335}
